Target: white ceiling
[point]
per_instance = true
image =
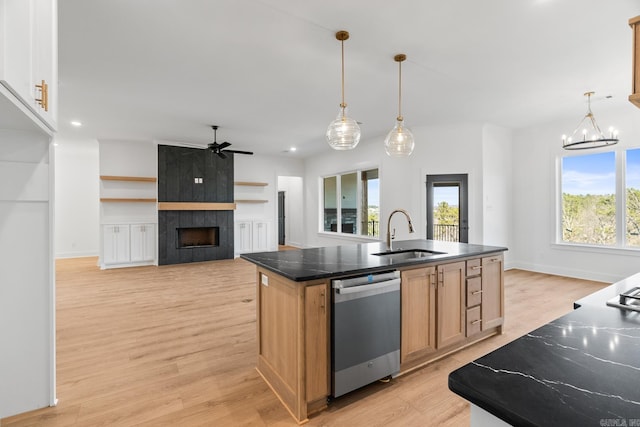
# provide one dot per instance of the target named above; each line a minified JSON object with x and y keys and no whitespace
{"x":268,"y":71}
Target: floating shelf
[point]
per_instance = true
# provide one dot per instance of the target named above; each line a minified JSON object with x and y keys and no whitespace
{"x":128,"y":178}
{"x":251,"y":184}
{"x":129,"y":200}
{"x":251,"y":201}
{"x":195,"y":206}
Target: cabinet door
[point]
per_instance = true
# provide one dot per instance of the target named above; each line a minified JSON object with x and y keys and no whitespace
{"x":260,"y":240}
{"x":317,"y":342}
{"x":17,"y":47}
{"x":29,"y":53}
{"x":418,"y":308}
{"x":451,"y":303}
{"x":115,"y":244}
{"x":492,"y":292}
{"x":143,"y":242}
{"x":45,"y":42}
{"x":242,"y":237}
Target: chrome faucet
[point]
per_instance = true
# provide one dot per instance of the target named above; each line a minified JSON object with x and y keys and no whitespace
{"x":389,"y":235}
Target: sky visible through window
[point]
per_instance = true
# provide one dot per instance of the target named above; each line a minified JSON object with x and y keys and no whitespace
{"x":589,"y":174}
{"x":447,"y":194}
{"x":595,"y":173}
{"x":374,"y":192}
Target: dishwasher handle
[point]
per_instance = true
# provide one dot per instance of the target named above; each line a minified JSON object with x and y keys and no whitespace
{"x":381,"y":287}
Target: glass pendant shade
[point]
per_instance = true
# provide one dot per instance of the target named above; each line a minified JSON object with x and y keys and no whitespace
{"x":399,"y":142}
{"x":343,"y":133}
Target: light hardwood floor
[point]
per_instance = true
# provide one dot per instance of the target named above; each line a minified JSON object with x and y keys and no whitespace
{"x":176,"y":346}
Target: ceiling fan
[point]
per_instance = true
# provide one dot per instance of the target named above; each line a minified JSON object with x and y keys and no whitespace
{"x":221,"y":149}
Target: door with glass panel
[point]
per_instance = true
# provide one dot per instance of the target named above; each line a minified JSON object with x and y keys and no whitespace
{"x":447,"y":208}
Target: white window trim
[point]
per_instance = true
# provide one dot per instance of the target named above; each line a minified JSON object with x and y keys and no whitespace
{"x":620,"y":246}
{"x":338,"y":233}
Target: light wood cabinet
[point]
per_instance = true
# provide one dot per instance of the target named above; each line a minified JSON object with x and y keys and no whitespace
{"x":418,"y":313}
{"x":635,"y":26}
{"x":451,"y":304}
{"x":293,"y":341}
{"x":433,"y":309}
{"x":492,"y":307}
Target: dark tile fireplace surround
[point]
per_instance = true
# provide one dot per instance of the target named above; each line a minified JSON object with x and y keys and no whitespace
{"x":198,"y":178}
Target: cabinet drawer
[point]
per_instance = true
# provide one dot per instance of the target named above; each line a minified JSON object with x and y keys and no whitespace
{"x":474,"y":291}
{"x":473,"y":267}
{"x":473,"y":321}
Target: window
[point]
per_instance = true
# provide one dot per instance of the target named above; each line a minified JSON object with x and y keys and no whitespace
{"x":592,"y":207}
{"x":632,"y":169}
{"x":352,"y":200}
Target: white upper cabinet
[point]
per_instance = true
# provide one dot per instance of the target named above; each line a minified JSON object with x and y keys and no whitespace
{"x":29,"y":57}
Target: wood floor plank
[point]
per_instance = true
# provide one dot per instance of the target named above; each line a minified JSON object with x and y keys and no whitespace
{"x":176,"y":346}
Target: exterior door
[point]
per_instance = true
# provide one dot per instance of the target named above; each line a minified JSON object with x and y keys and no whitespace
{"x":447,"y":208}
{"x":281,"y":236}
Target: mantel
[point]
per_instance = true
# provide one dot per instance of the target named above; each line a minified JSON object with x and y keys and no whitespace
{"x":195,"y":206}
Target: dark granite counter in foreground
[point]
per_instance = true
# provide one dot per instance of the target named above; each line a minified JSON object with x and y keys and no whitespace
{"x":318,"y":263}
{"x":581,"y":369}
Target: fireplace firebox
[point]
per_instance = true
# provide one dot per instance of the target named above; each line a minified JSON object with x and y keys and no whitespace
{"x":197,"y":237}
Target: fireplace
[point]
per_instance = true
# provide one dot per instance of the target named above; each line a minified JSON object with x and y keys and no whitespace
{"x":197,"y":237}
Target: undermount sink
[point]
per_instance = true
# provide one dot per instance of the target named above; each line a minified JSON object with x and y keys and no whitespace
{"x":402,"y":255}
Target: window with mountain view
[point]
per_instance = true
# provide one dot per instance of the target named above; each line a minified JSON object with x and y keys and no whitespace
{"x":591,"y":204}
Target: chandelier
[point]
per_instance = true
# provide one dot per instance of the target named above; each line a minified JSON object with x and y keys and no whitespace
{"x":588,"y":134}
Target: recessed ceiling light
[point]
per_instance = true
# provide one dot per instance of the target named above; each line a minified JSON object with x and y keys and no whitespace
{"x":292,"y":149}
{"x":76,"y":123}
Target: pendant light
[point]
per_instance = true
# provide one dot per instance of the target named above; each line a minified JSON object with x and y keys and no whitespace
{"x":343,"y":133}
{"x":399,"y":142}
{"x":588,"y":134}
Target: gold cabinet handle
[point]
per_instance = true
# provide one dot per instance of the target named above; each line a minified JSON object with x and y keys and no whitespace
{"x":44,"y":95}
{"x":476,"y":267}
{"x":476,"y":292}
{"x":475,"y":322}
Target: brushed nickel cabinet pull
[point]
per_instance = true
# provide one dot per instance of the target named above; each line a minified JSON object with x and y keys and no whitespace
{"x":475,"y":322}
{"x":476,"y":267}
{"x":476,"y":292}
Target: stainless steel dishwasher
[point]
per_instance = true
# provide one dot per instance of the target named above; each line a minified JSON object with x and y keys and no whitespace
{"x":365,"y":330}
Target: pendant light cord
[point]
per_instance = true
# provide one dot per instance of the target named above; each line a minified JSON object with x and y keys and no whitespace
{"x":399,"y":90}
{"x":342,"y":105}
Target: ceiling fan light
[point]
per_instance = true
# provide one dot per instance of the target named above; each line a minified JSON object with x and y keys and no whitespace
{"x":343,"y":133}
{"x":399,"y":142}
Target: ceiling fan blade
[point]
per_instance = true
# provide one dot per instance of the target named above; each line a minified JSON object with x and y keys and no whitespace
{"x":221,"y":155}
{"x":224,"y":145}
{"x":239,"y":152}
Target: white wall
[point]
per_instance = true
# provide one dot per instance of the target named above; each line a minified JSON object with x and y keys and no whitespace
{"x":294,"y":223}
{"x":439,"y":150}
{"x":77,"y":202}
{"x":536,"y":151}
{"x":27,"y":321}
{"x":259,"y":168}
{"x":497,"y":187}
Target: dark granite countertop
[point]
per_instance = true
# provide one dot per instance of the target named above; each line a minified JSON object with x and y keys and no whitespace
{"x":581,"y":369}
{"x":317,"y":263}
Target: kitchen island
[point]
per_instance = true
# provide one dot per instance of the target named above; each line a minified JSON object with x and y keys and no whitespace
{"x":581,"y":369}
{"x":452,"y":295}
